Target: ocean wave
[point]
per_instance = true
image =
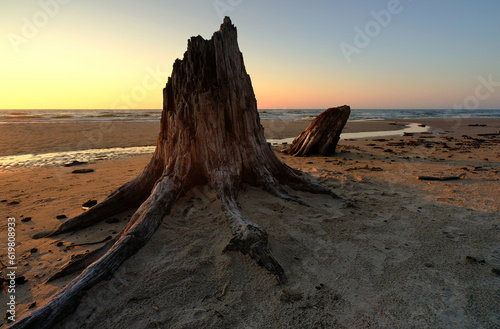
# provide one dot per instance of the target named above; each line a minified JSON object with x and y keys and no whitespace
{"x":37,"y":116}
{"x":25,"y":117}
{"x":106,"y":116}
{"x":305,"y":118}
{"x":62,"y":117}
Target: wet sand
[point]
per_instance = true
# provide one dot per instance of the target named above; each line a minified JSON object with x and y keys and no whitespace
{"x":26,"y":138}
{"x":397,"y":252}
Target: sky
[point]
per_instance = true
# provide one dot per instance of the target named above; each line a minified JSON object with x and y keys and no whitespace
{"x":369,"y":54}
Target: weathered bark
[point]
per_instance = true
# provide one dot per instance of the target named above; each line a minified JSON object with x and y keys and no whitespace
{"x":210,"y":134}
{"x":323,"y":134}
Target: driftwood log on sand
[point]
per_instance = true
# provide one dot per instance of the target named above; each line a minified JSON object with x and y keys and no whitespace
{"x":323,"y":134}
{"x":443,"y":178}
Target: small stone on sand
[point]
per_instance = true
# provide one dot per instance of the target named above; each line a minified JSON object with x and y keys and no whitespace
{"x":89,"y":204}
{"x":82,"y":171}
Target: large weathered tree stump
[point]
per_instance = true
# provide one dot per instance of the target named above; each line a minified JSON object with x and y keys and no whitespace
{"x":210,"y":134}
{"x":323,"y":134}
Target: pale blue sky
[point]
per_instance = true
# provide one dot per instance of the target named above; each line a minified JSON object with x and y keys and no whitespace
{"x":432,"y":54}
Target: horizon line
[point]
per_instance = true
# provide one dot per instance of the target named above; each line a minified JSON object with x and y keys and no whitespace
{"x":262,"y":109}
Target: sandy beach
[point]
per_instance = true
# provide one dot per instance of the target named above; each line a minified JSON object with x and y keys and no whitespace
{"x":395,"y":252}
{"x":24,"y":138}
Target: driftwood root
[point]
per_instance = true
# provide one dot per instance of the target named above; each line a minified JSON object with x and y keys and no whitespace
{"x":441,"y":178}
{"x":133,"y":237}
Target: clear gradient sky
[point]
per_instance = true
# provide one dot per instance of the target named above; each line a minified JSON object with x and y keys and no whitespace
{"x":104,"y":54}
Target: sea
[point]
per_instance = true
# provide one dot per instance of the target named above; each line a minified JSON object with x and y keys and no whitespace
{"x":39,"y":159}
{"x":11,"y":116}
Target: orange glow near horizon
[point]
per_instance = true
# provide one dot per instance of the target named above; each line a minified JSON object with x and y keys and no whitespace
{"x":107,"y":55}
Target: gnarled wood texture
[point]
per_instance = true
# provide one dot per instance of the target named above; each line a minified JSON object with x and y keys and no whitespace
{"x":210,"y":134}
{"x":323,"y":134}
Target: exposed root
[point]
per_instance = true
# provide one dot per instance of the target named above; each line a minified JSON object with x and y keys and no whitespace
{"x":253,"y":241}
{"x":81,"y":262}
{"x":266,"y":180}
{"x":73,"y":245}
{"x":281,"y":193}
{"x":274,"y":187}
{"x":249,"y":238}
{"x":305,"y":185}
{"x":142,"y":226}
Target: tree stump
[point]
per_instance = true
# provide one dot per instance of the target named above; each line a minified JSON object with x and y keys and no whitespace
{"x":210,"y":134}
{"x":323,"y":134}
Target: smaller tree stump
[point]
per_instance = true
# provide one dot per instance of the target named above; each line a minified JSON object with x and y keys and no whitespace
{"x":323,"y":134}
